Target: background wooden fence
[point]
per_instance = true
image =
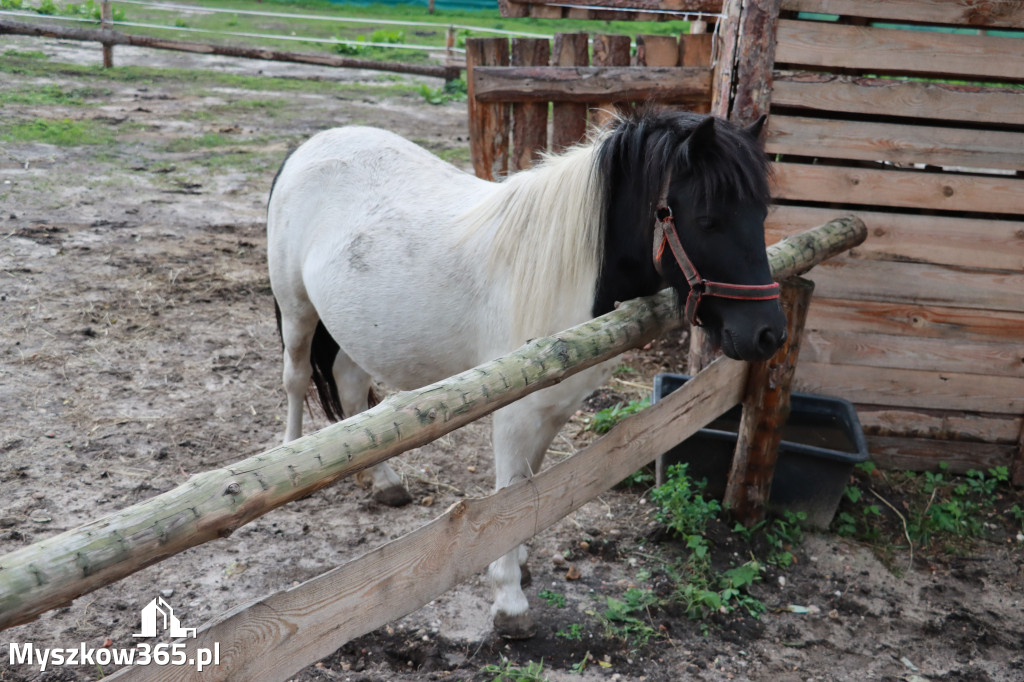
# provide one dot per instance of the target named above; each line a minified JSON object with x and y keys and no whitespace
{"x":511,"y":86}
{"x":921,"y":134}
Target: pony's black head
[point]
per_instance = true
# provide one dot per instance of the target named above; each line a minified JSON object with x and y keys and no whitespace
{"x":716,"y":176}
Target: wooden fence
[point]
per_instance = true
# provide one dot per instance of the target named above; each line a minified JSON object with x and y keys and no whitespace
{"x":277,"y":635}
{"x":610,"y":10}
{"x":510,"y":88}
{"x":920,"y":133}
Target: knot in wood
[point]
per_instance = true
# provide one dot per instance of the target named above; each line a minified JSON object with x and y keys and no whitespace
{"x":232,"y":489}
{"x":459,"y":509}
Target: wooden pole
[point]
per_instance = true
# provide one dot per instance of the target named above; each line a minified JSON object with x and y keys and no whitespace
{"x":106,"y":17}
{"x":754,"y":61}
{"x":488,"y":122}
{"x":569,"y":119}
{"x":609,"y":50}
{"x":765,"y":411}
{"x":52,"y":572}
{"x":274,"y":637}
{"x":741,"y":92}
{"x":529,"y":119}
{"x":118,"y":38}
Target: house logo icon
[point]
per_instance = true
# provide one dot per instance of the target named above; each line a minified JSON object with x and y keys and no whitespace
{"x":158,"y":615}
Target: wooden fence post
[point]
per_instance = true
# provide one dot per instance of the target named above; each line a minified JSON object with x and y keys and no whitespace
{"x":609,"y":50}
{"x":106,"y":17}
{"x":765,"y":411}
{"x":742,"y":77}
{"x":569,"y":119}
{"x":488,"y":122}
{"x":529,"y":119}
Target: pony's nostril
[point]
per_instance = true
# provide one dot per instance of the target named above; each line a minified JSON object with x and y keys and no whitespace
{"x":769,"y":340}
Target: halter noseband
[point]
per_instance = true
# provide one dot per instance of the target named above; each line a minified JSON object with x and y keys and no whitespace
{"x":665,"y":225}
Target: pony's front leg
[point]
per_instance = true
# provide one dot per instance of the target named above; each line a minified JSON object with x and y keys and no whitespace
{"x":522,"y":433}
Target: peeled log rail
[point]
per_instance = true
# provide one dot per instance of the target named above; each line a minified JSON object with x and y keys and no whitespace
{"x":214,"y":504}
{"x":110,"y":37}
{"x":590,"y":83}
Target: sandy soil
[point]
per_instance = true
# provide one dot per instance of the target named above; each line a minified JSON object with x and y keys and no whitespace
{"x":137,"y":346}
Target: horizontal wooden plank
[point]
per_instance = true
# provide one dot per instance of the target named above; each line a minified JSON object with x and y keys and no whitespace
{"x":913,"y":388}
{"x":892,"y":97}
{"x":591,"y":83}
{"x":957,"y":12}
{"x":886,"y":50}
{"x":963,"y":242}
{"x":895,"y":143}
{"x":900,"y":188}
{"x":921,"y":321}
{"x":912,"y":352}
{"x":940,"y":424}
{"x":920,"y":454}
{"x":652,"y":5}
{"x":919,"y":283}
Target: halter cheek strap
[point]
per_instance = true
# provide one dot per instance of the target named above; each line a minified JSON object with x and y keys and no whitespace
{"x":665,"y":235}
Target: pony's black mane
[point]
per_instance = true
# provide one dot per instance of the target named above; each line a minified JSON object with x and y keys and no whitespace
{"x":633,"y":160}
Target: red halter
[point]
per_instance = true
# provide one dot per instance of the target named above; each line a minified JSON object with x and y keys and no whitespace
{"x":665,"y":225}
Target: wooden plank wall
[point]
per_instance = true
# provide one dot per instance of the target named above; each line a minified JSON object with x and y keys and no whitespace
{"x":608,"y":10}
{"x":512,"y":84}
{"x":921,"y":134}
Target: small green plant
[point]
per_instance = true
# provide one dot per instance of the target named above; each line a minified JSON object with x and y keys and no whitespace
{"x":681,"y":504}
{"x":574,"y":633}
{"x":452,"y":91}
{"x":10,"y":4}
{"x":604,"y":420}
{"x":628,"y":618}
{"x":507,"y":671}
{"x":47,"y":7}
{"x":556,"y":599}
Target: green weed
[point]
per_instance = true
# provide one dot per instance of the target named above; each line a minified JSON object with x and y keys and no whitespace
{"x":604,"y":420}
{"x":451,"y":91}
{"x":556,"y":599}
{"x":506,"y":671}
{"x":574,"y":633}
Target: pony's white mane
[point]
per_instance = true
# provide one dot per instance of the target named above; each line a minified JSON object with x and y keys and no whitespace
{"x":543,"y":230}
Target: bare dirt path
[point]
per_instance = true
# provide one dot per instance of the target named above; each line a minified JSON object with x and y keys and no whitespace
{"x":137,"y":346}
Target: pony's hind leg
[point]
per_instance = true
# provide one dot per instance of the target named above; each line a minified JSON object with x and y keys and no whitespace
{"x":354,"y":390}
{"x":297,"y":327}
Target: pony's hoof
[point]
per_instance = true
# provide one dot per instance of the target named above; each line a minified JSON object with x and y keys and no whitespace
{"x":392,"y":496}
{"x":515,"y":627}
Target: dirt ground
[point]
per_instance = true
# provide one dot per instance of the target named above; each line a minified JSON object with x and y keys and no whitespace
{"x":137,"y":346}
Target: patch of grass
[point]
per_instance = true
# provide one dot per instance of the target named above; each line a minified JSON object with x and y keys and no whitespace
{"x":507,"y":671}
{"x":629,"y":618}
{"x":63,"y":133}
{"x":458,"y":156}
{"x":52,"y":94}
{"x":23,"y":54}
{"x":574,"y":633}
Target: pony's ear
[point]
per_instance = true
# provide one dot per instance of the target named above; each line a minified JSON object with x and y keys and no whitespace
{"x":701,"y":139}
{"x":754,"y":129}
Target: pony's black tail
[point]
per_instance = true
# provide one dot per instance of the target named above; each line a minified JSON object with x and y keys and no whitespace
{"x":323,"y":351}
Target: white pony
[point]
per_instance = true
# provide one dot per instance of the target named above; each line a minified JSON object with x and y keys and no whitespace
{"x":390,"y":265}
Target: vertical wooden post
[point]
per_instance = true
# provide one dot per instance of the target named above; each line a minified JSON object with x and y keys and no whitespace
{"x":529,"y":119}
{"x":753,"y":77}
{"x":765,"y":410}
{"x":609,"y":50}
{"x":488,"y":123}
{"x":741,"y":90}
{"x":695,"y":50}
{"x":513,"y":9}
{"x":569,"y":119}
{"x":106,"y":17}
{"x":659,"y":50}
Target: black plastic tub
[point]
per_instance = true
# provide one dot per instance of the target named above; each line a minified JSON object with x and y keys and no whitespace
{"x":821,"y":442}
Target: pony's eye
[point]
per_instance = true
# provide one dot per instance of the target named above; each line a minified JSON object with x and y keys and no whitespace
{"x":704,"y":222}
